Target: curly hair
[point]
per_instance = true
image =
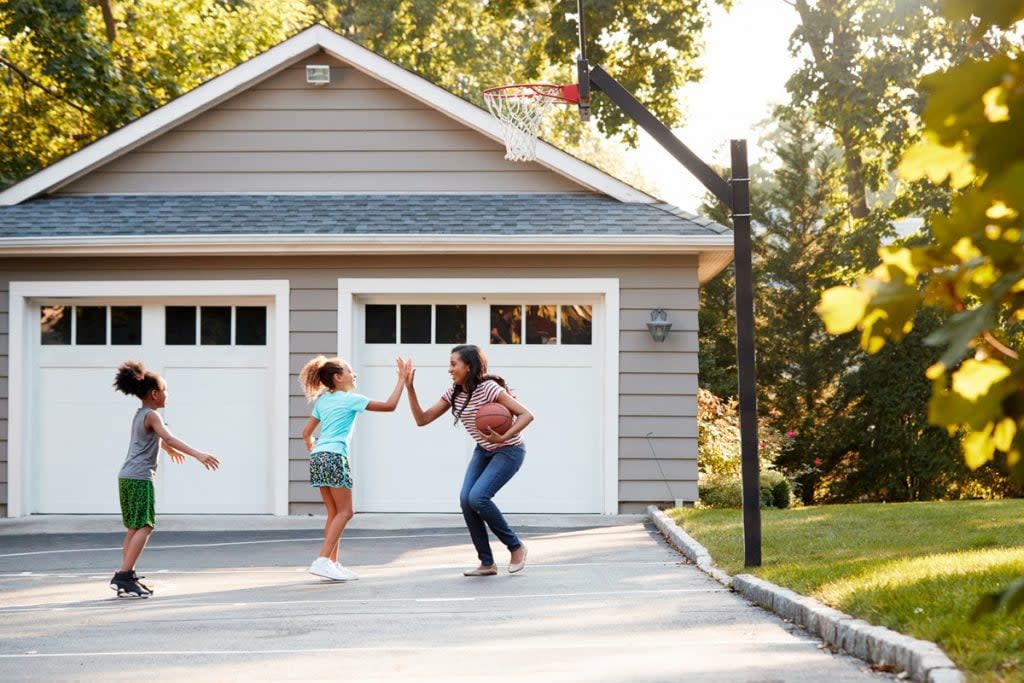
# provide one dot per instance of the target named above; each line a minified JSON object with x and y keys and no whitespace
{"x":134,"y":379}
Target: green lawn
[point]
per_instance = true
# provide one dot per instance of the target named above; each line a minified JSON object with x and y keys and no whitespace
{"x":917,"y":568}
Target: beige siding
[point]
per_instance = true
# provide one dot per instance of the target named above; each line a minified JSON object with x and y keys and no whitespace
{"x":354,"y":135}
{"x":658,"y":382}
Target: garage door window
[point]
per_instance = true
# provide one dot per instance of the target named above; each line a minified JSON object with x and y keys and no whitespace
{"x":545,"y":324}
{"x":414,"y":324}
{"x":215,"y":325}
{"x":90,"y":325}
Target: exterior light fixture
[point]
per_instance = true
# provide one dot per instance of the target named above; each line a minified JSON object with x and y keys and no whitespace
{"x":659,"y":325}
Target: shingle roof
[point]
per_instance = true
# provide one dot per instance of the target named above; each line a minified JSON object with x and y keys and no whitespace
{"x":441,"y":214}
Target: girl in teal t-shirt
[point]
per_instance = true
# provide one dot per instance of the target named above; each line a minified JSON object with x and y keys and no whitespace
{"x":329,"y":383}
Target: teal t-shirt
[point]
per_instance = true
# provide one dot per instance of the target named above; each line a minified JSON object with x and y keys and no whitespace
{"x":337,"y":414}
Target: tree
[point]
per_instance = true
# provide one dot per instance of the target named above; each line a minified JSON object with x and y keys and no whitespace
{"x":973,"y":265}
{"x":468,"y":45}
{"x":73,"y":72}
{"x":879,"y":445}
{"x":858,"y":80}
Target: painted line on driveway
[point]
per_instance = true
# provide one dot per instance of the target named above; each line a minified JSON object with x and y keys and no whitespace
{"x":316,"y":539}
{"x":683,"y":643}
{"x":298,"y":569}
{"x":204,"y":599}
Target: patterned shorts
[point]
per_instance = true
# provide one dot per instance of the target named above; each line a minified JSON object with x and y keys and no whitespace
{"x":138,"y":503}
{"x":329,"y":469}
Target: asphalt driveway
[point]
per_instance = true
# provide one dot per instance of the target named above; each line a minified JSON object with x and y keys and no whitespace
{"x":602,"y":599}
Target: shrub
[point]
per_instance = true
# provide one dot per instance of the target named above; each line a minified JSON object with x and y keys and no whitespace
{"x":726,"y":490}
{"x":780,"y":491}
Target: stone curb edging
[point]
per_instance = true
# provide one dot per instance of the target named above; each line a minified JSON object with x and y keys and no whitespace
{"x":880,"y":646}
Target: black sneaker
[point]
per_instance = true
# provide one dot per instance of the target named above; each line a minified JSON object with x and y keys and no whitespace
{"x":141,"y":585}
{"x":127,"y":585}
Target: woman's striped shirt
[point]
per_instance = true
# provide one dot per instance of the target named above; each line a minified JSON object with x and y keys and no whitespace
{"x":486,"y":392}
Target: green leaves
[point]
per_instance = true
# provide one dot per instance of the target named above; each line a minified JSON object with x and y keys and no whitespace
{"x":928,"y":158}
{"x":973,"y":142}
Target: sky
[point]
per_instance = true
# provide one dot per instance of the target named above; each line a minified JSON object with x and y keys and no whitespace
{"x":746,"y":64}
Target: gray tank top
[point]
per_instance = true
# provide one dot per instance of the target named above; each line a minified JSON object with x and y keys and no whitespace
{"x":142,"y":450}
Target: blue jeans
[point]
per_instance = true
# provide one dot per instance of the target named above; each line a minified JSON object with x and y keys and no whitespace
{"x":487,"y":472}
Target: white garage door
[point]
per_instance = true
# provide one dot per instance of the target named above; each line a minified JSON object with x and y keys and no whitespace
{"x":215,"y":357}
{"x":546,"y":347}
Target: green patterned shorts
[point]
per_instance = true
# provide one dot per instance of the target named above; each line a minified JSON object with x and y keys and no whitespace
{"x":329,"y":469}
{"x":138,"y":503}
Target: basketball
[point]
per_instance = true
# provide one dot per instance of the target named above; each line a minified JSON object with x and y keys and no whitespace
{"x":495,"y":416}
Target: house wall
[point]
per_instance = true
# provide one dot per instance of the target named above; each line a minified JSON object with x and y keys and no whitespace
{"x":355,"y":135}
{"x":657,"y":382}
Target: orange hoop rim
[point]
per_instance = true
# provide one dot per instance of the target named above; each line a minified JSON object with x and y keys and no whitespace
{"x":560,"y":94}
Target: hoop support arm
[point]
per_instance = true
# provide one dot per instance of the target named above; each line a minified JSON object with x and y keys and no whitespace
{"x":600,"y":79}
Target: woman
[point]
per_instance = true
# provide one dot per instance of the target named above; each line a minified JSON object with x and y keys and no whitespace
{"x":495,"y":460}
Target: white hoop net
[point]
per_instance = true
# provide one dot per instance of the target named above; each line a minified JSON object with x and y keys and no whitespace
{"x":521,"y":108}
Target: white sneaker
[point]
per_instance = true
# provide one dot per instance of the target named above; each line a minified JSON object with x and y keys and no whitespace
{"x":351,"y":575}
{"x":324,"y":568}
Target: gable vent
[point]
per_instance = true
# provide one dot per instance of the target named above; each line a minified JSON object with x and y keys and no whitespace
{"x":318,"y":74}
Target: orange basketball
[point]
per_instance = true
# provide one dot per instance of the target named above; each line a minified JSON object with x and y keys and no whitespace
{"x":495,"y":416}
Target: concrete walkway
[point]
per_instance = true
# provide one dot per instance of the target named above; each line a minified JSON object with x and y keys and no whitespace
{"x":603,"y":599}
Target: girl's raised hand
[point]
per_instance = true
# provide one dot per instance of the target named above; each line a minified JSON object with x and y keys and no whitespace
{"x":410,"y":372}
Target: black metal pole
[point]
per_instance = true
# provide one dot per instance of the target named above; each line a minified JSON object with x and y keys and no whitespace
{"x":742,"y":247}
{"x":736,"y":195}
{"x":600,"y":79}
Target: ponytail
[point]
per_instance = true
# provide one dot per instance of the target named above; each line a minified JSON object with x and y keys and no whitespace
{"x":134,"y":379}
{"x":317,"y":376}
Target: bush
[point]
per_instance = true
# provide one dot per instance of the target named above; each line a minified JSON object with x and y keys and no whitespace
{"x":780,"y":491}
{"x":726,"y":491}
{"x":718,"y":437}
{"x":720,"y":491}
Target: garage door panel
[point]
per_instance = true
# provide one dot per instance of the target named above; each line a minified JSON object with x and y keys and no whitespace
{"x":408,"y":468}
{"x":559,"y":381}
{"x":562,"y":470}
{"x":85,"y":427}
{"x":221,"y":411}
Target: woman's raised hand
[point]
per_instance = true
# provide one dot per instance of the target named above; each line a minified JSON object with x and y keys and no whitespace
{"x":410,"y":372}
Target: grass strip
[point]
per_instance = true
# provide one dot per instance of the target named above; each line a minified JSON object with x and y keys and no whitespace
{"x":917,"y":568}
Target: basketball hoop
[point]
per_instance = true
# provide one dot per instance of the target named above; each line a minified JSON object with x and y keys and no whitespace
{"x":521,"y":107}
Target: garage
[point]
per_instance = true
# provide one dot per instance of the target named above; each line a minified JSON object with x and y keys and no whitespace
{"x":217,"y":355}
{"x":550,"y":347}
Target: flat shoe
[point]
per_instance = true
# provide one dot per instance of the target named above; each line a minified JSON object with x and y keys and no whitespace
{"x":518,"y":566}
{"x":481,"y":571}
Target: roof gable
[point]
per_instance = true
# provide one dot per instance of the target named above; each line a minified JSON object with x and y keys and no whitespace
{"x":303,"y":45}
{"x":353,"y":135}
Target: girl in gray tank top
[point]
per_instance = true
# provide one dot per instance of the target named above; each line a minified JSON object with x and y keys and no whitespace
{"x":143,"y":448}
{"x":135,"y":480}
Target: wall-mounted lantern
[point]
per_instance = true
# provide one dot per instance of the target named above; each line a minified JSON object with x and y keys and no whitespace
{"x":659,"y":325}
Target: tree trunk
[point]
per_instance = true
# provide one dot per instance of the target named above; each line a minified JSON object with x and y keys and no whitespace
{"x":853,"y":171}
{"x":854,"y":176}
{"x":108,"y":19}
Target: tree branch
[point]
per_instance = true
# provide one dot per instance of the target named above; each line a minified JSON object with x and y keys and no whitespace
{"x":999,"y":346}
{"x":52,"y":93}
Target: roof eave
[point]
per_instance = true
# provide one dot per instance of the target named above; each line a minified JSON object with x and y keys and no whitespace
{"x":715,"y":251}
